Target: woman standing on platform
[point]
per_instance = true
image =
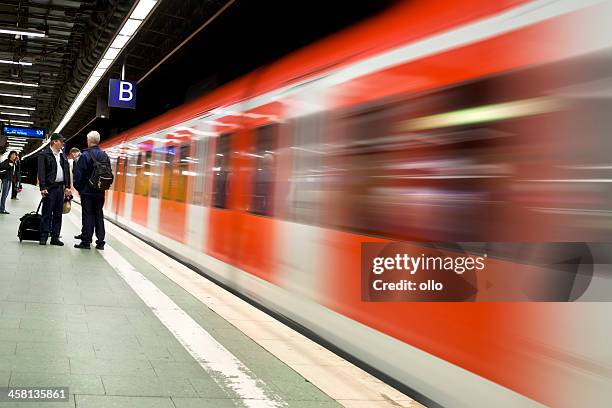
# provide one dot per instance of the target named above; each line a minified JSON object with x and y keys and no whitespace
{"x":16,"y":180}
{"x":7,"y":172}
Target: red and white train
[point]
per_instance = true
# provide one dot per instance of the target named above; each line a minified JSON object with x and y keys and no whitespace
{"x":458,"y":121}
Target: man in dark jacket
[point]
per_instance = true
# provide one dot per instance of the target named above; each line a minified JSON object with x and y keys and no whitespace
{"x":92,"y":200}
{"x":54,"y":183}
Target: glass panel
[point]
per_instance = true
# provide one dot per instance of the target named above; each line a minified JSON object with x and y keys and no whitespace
{"x":168,"y":178}
{"x":265,"y":164}
{"x":182,"y":177}
{"x":222,"y":172}
{"x":199,"y":160}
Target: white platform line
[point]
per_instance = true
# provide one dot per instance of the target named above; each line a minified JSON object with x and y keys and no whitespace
{"x":342,"y":381}
{"x":224,"y":367}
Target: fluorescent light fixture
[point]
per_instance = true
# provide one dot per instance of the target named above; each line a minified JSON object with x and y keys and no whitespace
{"x":120,"y":41}
{"x":17,"y":107}
{"x":112,"y":53}
{"x":27,"y":33}
{"x":18,"y":83}
{"x":104,"y":64}
{"x":27,"y":122}
{"x":130,"y":27}
{"x":14,"y":114}
{"x":143,"y":9}
{"x":16,"y":96}
{"x":98,"y":72}
{"x":2,"y":61}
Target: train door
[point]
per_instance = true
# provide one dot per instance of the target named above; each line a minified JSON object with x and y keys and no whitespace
{"x":173,"y":204}
{"x":255,"y":223}
{"x":129,"y":178}
{"x":197,"y":211}
{"x":119,"y":185}
{"x":221,"y":221}
{"x":108,"y":200}
{"x":140,"y":204}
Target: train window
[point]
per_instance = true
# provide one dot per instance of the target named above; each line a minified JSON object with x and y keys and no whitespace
{"x":442,"y":166}
{"x":130,"y":173}
{"x":122,"y":170}
{"x":115,"y":167}
{"x":142,"y":174}
{"x":183,"y":173}
{"x":168,"y":178}
{"x":262,"y":195}
{"x":199,"y":160}
{"x":138,"y":170}
{"x":156,"y":164}
{"x":304,"y":185}
{"x":222,"y":171}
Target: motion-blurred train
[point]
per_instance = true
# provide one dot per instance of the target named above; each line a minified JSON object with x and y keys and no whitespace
{"x":434,"y":121}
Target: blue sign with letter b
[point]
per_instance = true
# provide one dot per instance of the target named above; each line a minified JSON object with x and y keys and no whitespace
{"x":122,"y":94}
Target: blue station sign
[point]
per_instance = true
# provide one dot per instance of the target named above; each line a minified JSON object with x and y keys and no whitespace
{"x":122,"y":94}
{"x":23,"y":131}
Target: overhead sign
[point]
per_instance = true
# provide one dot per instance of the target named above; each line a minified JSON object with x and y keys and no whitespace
{"x":122,"y":94}
{"x":23,"y":131}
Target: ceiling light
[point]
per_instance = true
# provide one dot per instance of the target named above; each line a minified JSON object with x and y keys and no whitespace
{"x":15,"y":96}
{"x":105,"y":63}
{"x":22,"y":121}
{"x":17,"y":107}
{"x":2,"y":61}
{"x":140,"y":12}
{"x":98,"y":72}
{"x":27,"y":33}
{"x":111,"y":53}
{"x":143,"y":9}
{"x":120,"y":41}
{"x":18,"y":83}
{"x":14,"y":114}
{"x":130,"y":27}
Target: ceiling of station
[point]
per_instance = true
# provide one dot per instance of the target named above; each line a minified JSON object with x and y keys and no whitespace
{"x":45,"y":73}
{"x":46,"y":49}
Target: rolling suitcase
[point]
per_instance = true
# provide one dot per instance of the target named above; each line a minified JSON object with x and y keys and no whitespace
{"x":29,"y":228}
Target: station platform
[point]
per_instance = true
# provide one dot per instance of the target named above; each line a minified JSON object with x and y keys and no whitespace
{"x":131,"y":327}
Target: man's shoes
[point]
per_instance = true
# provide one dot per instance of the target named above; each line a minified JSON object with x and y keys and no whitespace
{"x":80,"y":236}
{"x":100,"y":247}
{"x":4,"y":212}
{"x":42,"y":242}
{"x":82,"y":246}
{"x":57,"y":242}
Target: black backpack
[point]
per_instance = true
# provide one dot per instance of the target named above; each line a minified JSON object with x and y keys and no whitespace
{"x":102,"y":175}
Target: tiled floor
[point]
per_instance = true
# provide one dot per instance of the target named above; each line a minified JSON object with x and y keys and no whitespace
{"x":68,"y":319}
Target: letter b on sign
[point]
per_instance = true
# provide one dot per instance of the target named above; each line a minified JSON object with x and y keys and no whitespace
{"x":125,"y":91}
{"x":122,"y":94}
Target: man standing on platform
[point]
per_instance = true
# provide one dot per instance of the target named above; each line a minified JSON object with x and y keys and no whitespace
{"x":54,"y":183}
{"x":92,"y":199}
